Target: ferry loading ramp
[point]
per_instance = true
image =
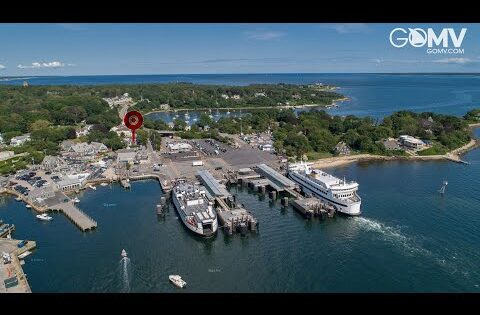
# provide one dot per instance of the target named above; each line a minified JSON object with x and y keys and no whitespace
{"x":213,"y":186}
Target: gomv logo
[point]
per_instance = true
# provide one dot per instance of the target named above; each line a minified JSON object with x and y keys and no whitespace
{"x":418,"y":37}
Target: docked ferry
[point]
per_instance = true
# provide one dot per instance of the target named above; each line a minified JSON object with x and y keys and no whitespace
{"x":194,"y":208}
{"x":340,"y":194}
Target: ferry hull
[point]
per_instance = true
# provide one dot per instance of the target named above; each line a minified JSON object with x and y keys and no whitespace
{"x":196,"y":230}
{"x":351,"y":209}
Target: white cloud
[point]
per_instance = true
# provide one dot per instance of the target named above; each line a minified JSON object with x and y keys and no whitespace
{"x":455,"y":60}
{"x":38,"y":65}
{"x":2,"y":67}
{"x":265,"y":35}
{"x":346,"y":28}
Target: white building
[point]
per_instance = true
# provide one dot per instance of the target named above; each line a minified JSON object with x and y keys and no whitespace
{"x":411,"y":142}
{"x":69,"y":184}
{"x":83,"y":131}
{"x":225,"y":96}
{"x":236,"y":97}
{"x":18,"y":141}
{"x":179,"y":147}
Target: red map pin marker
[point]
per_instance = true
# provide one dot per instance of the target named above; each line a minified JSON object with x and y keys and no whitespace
{"x":133,"y":120}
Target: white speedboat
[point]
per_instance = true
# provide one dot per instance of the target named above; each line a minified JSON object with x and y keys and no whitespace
{"x":92,"y":187}
{"x":177,"y":280}
{"x":124,"y":253}
{"x":76,"y":200}
{"x":104,"y":184}
{"x":28,"y":206}
{"x":44,"y":217}
{"x":18,"y":199}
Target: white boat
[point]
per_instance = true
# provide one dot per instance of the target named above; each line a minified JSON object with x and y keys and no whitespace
{"x":76,"y":200}
{"x":104,"y":184}
{"x":124,"y":253}
{"x":333,"y":191}
{"x":28,"y":206}
{"x":44,"y":217}
{"x":24,"y":254}
{"x":177,"y":280}
{"x":195,"y":209}
{"x":18,"y":199}
{"x":92,"y":187}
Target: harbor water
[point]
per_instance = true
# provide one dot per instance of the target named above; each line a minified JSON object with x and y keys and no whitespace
{"x":408,"y":239}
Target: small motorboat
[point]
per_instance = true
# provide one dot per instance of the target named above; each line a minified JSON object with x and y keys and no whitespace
{"x":104,"y":184}
{"x":92,"y":187}
{"x":76,"y":200}
{"x":124,"y":253}
{"x":18,"y":199}
{"x":177,"y":280}
{"x":28,"y":206}
{"x":44,"y":217}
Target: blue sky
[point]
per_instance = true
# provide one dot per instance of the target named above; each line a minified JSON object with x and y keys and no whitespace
{"x":93,"y":49}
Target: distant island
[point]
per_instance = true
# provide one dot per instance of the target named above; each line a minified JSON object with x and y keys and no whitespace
{"x":34,"y":120}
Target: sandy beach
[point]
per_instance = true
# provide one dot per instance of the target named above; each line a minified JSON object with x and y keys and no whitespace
{"x":453,"y":156}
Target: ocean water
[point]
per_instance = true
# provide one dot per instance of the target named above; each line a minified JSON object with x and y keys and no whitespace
{"x":373,"y":95}
{"x":408,"y":239}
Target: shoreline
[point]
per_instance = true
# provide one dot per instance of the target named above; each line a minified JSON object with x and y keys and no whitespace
{"x":453,"y":156}
{"x":334,"y":103}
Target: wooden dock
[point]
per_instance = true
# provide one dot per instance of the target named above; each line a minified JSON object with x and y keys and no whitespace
{"x":77,"y":216}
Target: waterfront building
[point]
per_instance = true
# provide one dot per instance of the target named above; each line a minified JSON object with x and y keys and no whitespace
{"x":38,"y":195}
{"x":164,"y":106}
{"x":18,"y":141}
{"x":69,"y":184}
{"x":411,"y":142}
{"x":342,"y":148}
{"x":391,"y":144}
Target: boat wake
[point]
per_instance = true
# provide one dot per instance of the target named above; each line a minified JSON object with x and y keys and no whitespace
{"x":125,"y":273}
{"x":392,"y":235}
{"x":451,"y":261}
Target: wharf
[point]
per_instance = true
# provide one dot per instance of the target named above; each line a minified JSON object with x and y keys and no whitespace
{"x":83,"y":221}
{"x":312,"y":207}
{"x":235,"y":219}
{"x":12,"y":278}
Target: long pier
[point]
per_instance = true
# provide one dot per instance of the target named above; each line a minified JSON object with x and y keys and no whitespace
{"x":77,"y":216}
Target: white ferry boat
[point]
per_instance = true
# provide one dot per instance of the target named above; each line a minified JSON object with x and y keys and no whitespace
{"x":194,"y":208}
{"x":340,"y":194}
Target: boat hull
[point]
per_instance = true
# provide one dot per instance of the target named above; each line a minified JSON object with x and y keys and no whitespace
{"x":351,"y":209}
{"x":196,"y":230}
